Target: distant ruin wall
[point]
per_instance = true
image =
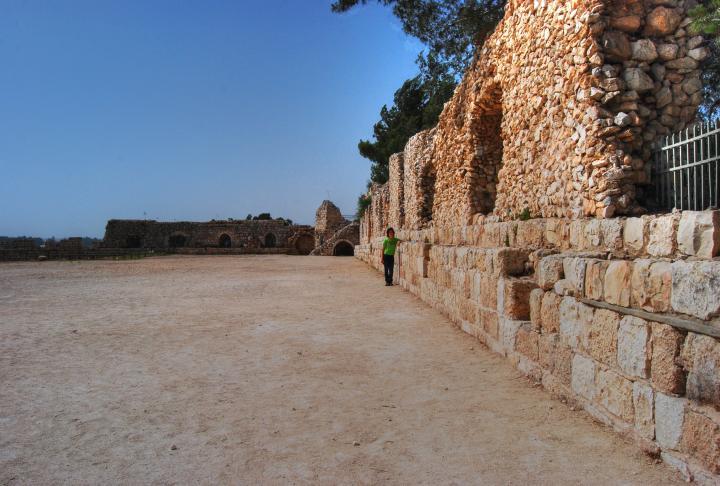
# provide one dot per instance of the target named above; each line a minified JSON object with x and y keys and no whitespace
{"x":222,"y":234}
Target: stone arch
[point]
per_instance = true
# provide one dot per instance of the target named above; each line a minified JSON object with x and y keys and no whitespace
{"x":225,"y":241}
{"x":304,"y":244}
{"x":270,"y":240}
{"x":486,"y":131}
{"x":343,"y":248}
{"x":177,"y":240}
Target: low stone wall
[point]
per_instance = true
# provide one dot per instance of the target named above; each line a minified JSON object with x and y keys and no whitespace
{"x":59,"y":253}
{"x":618,"y":316}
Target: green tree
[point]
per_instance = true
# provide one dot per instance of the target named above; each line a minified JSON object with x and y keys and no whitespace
{"x":706,"y":21}
{"x":451,"y":29}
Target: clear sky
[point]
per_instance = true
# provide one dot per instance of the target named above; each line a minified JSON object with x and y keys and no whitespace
{"x":187,"y":110}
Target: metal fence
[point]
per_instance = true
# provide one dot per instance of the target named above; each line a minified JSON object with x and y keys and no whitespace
{"x":686,"y":168}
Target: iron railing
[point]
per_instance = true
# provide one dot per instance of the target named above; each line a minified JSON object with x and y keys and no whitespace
{"x":686,"y":168}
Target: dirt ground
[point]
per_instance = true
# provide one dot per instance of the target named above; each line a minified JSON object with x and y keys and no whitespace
{"x":269,"y":369}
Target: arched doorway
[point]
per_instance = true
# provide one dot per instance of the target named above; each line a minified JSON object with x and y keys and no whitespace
{"x":343,"y":248}
{"x":270,"y":240}
{"x":224,"y":241}
{"x":305,"y":244}
{"x":177,"y":241}
{"x":133,"y":242}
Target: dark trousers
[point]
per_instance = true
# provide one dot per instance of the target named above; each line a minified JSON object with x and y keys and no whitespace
{"x":389,"y":264}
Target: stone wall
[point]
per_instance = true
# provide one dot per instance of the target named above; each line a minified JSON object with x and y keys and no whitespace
{"x":247,"y":234}
{"x":619,"y":316}
{"x":328,"y":220}
{"x":556,"y":116}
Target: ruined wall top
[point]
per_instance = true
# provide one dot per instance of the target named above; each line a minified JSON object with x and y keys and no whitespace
{"x":556,"y":117}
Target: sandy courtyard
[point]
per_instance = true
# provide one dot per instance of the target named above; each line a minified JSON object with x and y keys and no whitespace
{"x":274,"y":370}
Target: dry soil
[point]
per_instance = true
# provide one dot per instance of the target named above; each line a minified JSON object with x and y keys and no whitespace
{"x":274,"y":370}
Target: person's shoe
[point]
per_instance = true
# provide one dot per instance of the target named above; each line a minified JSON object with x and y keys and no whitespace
{"x":387,"y":284}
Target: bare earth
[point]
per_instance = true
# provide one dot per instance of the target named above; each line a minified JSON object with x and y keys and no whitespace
{"x":270,"y":370}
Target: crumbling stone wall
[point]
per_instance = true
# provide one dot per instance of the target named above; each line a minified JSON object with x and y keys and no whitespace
{"x":328,"y":220}
{"x":557,"y":115}
{"x":396,"y":182}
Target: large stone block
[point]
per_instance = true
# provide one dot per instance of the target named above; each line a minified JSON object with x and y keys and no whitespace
{"x":550,"y":312}
{"x":701,"y":439}
{"x":547,"y":344}
{"x":595,"y":279}
{"x":644,"y":404}
{"x":633,"y":353}
{"x":508,"y":332}
{"x":549,"y":270}
{"x":562,"y":367}
{"x":634,"y":235}
{"x":651,"y":284}
{"x":661,"y":235}
{"x":699,"y":233}
{"x":489,"y":322}
{"x":615,"y":394}
{"x":575,"y":321}
{"x":696,"y":288}
{"x":616,"y":287}
{"x":701,"y":357}
{"x":536,"y":297}
{"x":665,"y":370}
{"x":574,"y":270}
{"x":488,"y":291}
{"x":603,"y":335}
{"x":583,"y":377}
{"x":669,"y":416}
{"x":516,"y":297}
{"x":526,"y":342}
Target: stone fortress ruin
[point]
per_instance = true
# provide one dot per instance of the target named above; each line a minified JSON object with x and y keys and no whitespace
{"x":332,"y":235}
{"x":523,"y":216}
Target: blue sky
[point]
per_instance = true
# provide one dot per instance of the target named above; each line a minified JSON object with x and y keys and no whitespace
{"x":187,"y":110}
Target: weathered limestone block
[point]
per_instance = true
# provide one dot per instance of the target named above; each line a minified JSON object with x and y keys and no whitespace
{"x":526,"y":342}
{"x":643,"y":402}
{"x":530,"y":234}
{"x":696,"y":287}
{"x":661,"y":235}
{"x":662,"y":21}
{"x":615,"y":394}
{"x":489,"y":291}
{"x":514,"y":297}
{"x":634,"y":235}
{"x":699,"y":233}
{"x":701,"y":357}
{"x":562,"y":367}
{"x":575,"y":322}
{"x":550,"y":312}
{"x":549,"y":270}
{"x":583,"y":377}
{"x":536,"y":298}
{"x":669,"y":416}
{"x":616,"y":287}
{"x":547,"y":344}
{"x":508,"y":332}
{"x":665,"y":369}
{"x":651,"y":284}
{"x":489,"y":322}
{"x":595,"y":279}
{"x":574,"y":270}
{"x":701,"y":439}
{"x":634,"y":353}
{"x":603,"y":336}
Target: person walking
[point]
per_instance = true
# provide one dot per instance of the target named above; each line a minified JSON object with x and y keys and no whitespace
{"x":388,"y":255}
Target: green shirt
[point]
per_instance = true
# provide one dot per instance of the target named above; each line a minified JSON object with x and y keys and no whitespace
{"x":389,"y":246}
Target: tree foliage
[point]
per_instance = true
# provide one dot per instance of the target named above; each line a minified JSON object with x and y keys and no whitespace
{"x":417,"y":106}
{"x":706,"y":21}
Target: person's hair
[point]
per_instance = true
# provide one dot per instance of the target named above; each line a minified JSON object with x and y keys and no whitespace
{"x":387,"y":233}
